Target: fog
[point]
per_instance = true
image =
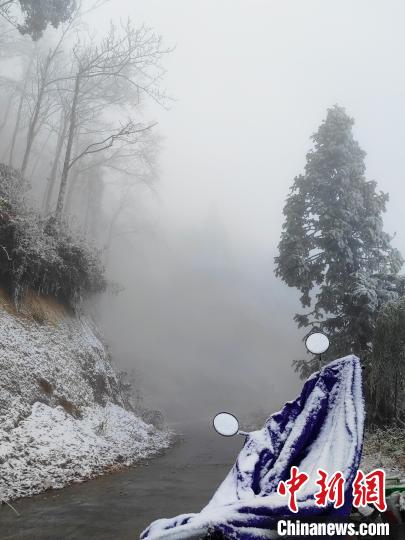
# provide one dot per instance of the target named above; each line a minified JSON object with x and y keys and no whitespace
{"x":203,"y":318}
{"x":200,"y":317}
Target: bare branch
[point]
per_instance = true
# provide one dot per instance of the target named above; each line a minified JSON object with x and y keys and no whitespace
{"x":121,"y":135}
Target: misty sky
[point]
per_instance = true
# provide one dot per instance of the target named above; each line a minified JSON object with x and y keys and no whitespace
{"x":203,"y":317}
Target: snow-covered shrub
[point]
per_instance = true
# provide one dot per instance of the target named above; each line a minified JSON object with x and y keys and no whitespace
{"x":385,"y":447}
{"x":40,"y":254}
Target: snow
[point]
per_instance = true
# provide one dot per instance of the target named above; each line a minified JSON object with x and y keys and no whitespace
{"x":50,"y":448}
{"x":62,"y":417}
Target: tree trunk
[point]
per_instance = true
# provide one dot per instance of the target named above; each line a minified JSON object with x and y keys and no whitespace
{"x":31,"y":132}
{"x":71,"y":189}
{"x":52,"y":175}
{"x":40,"y":155}
{"x":18,"y":119}
{"x":66,"y":163}
{"x":107,"y":247}
{"x":88,"y":209}
{"x":7,"y":113}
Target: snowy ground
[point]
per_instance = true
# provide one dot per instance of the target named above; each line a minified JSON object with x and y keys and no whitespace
{"x":50,"y":448}
{"x":61,"y":412}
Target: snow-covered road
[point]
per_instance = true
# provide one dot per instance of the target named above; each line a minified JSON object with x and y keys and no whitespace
{"x":119,"y":506}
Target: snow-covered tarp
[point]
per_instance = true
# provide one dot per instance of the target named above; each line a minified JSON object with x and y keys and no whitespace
{"x":321,"y":429}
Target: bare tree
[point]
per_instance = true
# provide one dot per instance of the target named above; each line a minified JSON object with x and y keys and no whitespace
{"x":14,"y":88}
{"x":42,"y":96}
{"x":17,"y":125}
{"x":50,"y":70}
{"x":51,"y":180}
{"x":141,"y":172}
{"x":9,"y":89}
{"x":10,"y":100}
{"x":117,"y":72}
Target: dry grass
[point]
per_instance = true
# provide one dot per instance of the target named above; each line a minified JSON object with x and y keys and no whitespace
{"x":45,"y":386}
{"x":43,"y":309}
{"x":39,"y":308}
{"x":6,"y":303}
{"x":70,"y":407}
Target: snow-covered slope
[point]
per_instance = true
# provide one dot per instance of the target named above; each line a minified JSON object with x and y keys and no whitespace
{"x":61,"y":413}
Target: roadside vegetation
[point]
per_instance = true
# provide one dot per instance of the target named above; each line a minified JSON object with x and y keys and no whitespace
{"x":42,"y":255}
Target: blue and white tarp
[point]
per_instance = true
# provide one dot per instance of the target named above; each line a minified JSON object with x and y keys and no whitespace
{"x":321,"y":429}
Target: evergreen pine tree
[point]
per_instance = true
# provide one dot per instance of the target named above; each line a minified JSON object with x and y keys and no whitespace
{"x":333,"y":247}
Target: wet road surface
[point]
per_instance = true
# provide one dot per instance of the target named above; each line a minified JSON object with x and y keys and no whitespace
{"x":119,"y":506}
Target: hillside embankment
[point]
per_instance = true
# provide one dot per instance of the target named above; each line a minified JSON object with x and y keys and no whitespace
{"x":62,"y":415}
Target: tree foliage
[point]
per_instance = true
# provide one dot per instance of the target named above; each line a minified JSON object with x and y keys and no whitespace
{"x":39,"y":255}
{"x":37,"y":14}
{"x":333,"y":247}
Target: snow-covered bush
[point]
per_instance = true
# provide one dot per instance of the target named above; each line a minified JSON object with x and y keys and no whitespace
{"x":385,"y":447}
{"x":40,"y":254}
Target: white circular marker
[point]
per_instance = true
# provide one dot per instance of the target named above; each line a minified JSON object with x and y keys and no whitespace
{"x":317,"y":343}
{"x":226,"y":424}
